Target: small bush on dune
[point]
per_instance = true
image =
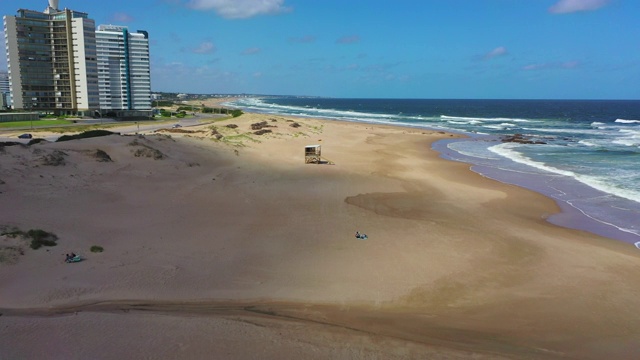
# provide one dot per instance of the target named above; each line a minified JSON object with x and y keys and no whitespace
{"x":102,"y":156}
{"x":96,"y":249}
{"x":41,"y":238}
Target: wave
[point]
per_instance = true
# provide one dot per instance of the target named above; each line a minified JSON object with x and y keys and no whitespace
{"x":446,"y":117}
{"x":589,"y":143}
{"x":507,"y":150}
{"x":627,"y":142}
{"x":503,"y":126}
{"x":623,"y":121}
{"x":568,"y":131}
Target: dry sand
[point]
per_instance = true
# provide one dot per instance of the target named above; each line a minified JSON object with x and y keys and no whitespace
{"x":237,"y":249}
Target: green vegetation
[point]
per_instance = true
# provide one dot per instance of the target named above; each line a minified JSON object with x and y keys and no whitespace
{"x":38,"y":237}
{"x":41,"y":238}
{"x":96,"y":249}
{"x":236,"y":113}
{"x":36,"y":123}
{"x":189,"y":108}
{"x":157,"y":103}
{"x":239,"y":139}
{"x":85,"y":135}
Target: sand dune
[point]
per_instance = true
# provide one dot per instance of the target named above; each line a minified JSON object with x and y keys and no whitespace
{"x":231,"y":245}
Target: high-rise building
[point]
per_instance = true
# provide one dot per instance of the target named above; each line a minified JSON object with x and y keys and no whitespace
{"x":4,"y":90}
{"x":52,"y":61}
{"x":58,"y":62}
{"x":124,"y":76}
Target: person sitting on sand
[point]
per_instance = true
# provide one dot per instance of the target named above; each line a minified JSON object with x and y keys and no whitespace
{"x":67,"y":257}
{"x":72,"y":255}
{"x":358,"y":234}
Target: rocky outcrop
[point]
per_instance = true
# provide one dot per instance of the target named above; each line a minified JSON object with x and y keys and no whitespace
{"x":520,"y":139}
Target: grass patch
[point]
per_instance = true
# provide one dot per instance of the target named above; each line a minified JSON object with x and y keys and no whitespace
{"x":34,"y":123}
{"x":96,"y":249}
{"x":39,"y":238}
{"x":240,"y":138}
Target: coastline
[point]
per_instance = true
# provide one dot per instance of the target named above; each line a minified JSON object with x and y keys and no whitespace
{"x":455,"y":265}
{"x":546,"y":184}
{"x":585,"y":206}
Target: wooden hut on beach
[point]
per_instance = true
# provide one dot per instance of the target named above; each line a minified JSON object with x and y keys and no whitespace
{"x":312,"y":154}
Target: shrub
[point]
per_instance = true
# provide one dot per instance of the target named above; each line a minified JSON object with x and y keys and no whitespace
{"x":96,"y":249}
{"x":85,"y":135}
{"x":41,"y":238}
{"x":236,"y":113}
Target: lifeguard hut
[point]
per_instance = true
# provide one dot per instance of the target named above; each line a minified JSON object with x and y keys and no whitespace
{"x":312,"y":154}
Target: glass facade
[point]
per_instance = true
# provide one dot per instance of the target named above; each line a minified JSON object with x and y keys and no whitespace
{"x":124,"y":77}
{"x":53,"y":61}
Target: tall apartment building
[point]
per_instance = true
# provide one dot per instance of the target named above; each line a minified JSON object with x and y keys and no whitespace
{"x":124,"y":76}
{"x":58,"y":62}
{"x":5,"y":96}
{"x":52,"y":60}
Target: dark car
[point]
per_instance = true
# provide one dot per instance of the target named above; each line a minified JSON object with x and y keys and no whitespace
{"x":25,"y":136}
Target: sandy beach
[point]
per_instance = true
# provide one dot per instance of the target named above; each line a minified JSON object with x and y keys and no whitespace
{"x":221,"y":243}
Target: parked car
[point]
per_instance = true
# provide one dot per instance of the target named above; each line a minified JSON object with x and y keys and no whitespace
{"x":175,"y":126}
{"x":25,"y":136}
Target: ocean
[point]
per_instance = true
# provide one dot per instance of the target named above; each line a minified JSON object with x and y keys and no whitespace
{"x":585,"y":154}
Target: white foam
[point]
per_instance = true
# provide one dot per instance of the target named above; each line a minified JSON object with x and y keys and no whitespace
{"x":507,"y":150}
{"x":588,"y":143}
{"x":637,"y":244}
{"x":445,"y":117}
{"x":503,"y":126}
{"x":568,"y":131}
{"x":623,"y":121}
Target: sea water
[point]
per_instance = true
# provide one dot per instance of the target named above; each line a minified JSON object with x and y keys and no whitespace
{"x":586,"y":154}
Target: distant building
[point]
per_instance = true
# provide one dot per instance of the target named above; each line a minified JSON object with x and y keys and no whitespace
{"x":124,"y":76}
{"x":52,"y":63}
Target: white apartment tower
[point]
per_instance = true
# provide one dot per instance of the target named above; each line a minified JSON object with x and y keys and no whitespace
{"x":52,"y":60}
{"x":123,"y":68}
{"x":5,"y":97}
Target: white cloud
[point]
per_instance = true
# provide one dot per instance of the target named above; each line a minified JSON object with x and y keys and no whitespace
{"x":348,"y":39}
{"x":499,"y":51}
{"x":205,"y":47}
{"x":240,"y":9}
{"x":181,"y":77}
{"x":570,"y":6}
{"x":552,"y":65}
{"x":251,"y":51}
{"x":121,"y":17}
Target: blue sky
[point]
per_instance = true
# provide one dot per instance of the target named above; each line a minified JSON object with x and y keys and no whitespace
{"x":550,"y":49}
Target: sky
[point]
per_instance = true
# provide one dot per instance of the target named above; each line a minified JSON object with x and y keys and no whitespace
{"x":502,"y":49}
